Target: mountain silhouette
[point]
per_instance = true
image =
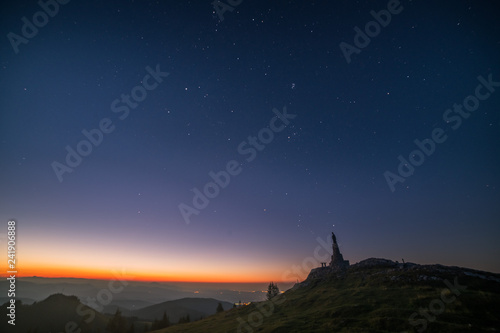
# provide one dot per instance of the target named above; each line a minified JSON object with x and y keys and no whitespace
{"x":196,"y":308}
{"x":55,"y":314}
{"x":374,"y":295}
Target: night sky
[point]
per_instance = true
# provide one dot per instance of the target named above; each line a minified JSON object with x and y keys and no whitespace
{"x":303,"y":136}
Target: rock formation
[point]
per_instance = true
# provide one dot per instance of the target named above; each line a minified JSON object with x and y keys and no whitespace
{"x":337,"y":265}
{"x":338,"y":262}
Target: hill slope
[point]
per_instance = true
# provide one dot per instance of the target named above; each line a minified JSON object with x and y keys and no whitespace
{"x":196,"y":308}
{"x":375,"y":295}
{"x":57,"y":313}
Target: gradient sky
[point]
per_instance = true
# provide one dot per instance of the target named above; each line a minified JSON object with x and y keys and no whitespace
{"x":119,"y":209}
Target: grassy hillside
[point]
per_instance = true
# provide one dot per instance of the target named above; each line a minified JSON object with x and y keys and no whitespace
{"x":372,"y":296}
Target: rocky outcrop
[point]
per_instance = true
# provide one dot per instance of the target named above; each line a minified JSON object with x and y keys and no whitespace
{"x":337,"y":262}
{"x":337,"y":265}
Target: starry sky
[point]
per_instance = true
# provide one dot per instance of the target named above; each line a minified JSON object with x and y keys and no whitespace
{"x":303,"y":112}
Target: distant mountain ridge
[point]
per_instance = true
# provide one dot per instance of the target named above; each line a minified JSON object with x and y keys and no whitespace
{"x":195,"y":307}
{"x":137,"y":294}
{"x":57,"y":311}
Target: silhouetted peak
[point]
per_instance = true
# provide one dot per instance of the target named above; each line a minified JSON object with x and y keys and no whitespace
{"x":60,"y":298}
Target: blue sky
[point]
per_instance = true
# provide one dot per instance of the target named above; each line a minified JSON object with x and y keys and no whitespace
{"x":324,"y":172}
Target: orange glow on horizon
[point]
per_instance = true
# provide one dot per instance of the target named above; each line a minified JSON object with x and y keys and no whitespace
{"x":111,"y":274}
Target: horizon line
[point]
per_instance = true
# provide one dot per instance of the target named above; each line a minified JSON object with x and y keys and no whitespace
{"x":145,"y":280}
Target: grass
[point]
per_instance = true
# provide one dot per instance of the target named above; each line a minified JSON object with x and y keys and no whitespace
{"x":363,"y":301}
